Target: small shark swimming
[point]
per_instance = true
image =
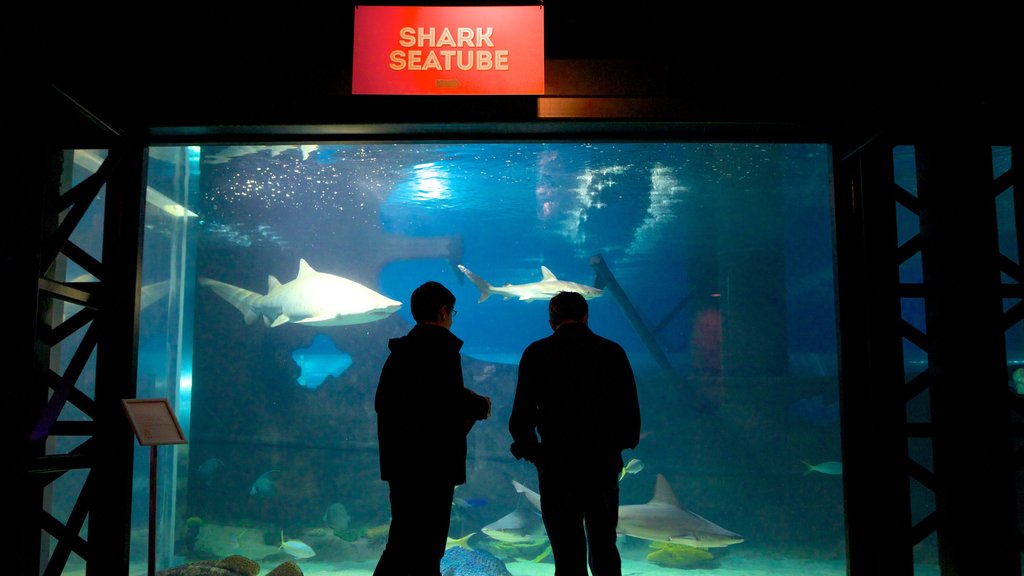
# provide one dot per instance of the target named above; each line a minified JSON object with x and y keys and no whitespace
{"x":662,"y":520}
{"x":312,"y":299}
{"x":545,"y":289}
{"x":523,"y":527}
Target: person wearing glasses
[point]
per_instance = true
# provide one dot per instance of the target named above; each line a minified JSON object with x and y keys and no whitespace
{"x":424,"y":413}
{"x":575,"y":410}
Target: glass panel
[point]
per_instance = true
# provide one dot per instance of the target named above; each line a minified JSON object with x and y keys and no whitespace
{"x":723,"y":253}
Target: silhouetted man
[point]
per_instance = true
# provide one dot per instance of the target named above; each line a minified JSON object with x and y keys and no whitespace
{"x":577,"y":393}
{"x":424,"y":413}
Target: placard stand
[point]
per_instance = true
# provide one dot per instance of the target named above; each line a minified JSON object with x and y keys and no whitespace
{"x":155,"y":425}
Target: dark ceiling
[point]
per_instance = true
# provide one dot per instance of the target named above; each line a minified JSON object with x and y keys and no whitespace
{"x":839,"y":64}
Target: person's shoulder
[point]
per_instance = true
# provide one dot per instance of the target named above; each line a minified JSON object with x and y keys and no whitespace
{"x":539,"y":344}
{"x":609,"y":343}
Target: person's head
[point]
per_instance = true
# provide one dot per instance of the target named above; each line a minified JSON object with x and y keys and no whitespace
{"x":432,"y":303}
{"x":567,"y":307}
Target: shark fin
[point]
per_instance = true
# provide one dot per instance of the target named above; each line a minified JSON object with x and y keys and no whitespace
{"x":281,"y":319}
{"x":663,"y":493}
{"x":314,"y":319}
{"x":305,"y":268}
{"x":546,"y":274}
{"x":532,"y":497}
{"x":272,"y":283}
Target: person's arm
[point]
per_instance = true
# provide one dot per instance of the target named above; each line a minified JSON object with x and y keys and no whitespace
{"x":523,"y":422}
{"x":474,"y":407}
{"x":630,"y":403}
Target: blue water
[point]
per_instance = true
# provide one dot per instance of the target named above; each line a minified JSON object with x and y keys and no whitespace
{"x":724,"y":256}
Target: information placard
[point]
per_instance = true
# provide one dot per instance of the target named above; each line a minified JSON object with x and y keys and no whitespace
{"x":153,"y":421}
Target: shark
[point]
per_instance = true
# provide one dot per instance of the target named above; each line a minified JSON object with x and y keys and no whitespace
{"x":662,"y":520}
{"x":521,"y":526}
{"x":546,"y":288}
{"x":311,"y":299}
{"x":222,"y":156}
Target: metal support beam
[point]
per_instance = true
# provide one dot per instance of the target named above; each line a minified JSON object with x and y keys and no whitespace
{"x":974,"y":484}
{"x":872,"y":406}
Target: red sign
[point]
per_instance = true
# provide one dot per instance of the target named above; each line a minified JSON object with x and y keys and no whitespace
{"x":448,"y":50}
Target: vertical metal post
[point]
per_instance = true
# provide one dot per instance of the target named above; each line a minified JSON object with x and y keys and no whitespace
{"x":116,"y":363}
{"x":872,"y":407}
{"x":974,"y":488}
{"x":151,"y":570}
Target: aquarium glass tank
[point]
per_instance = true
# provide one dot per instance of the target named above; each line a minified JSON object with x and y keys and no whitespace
{"x":712,"y":265}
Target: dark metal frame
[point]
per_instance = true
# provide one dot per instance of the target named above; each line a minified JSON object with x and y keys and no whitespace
{"x":109,"y":319}
{"x":975,"y":516}
{"x":966,"y":378}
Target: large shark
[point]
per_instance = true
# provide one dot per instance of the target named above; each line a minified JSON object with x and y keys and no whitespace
{"x":662,"y":520}
{"x":545,"y":289}
{"x":312,"y":299}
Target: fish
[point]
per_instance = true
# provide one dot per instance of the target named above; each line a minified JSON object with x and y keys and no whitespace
{"x":234,"y":565}
{"x":225,"y":155}
{"x":296,"y":548}
{"x":320,"y":360}
{"x":518,"y":527}
{"x":632,"y":467}
{"x":544,"y":289}
{"x":91,"y":161}
{"x":311,"y":299}
{"x":1017,"y":381}
{"x":469,"y":502}
{"x":208,"y":470}
{"x":523,"y":527}
{"x":662,"y":520}
{"x":461,"y":542}
{"x":462,"y":562}
{"x":266,"y":484}
{"x":336,"y":516}
{"x":830,"y":468}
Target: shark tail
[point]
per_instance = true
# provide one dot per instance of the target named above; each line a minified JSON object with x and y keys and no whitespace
{"x":240,"y":298}
{"x":810,"y":467}
{"x":483,"y":285}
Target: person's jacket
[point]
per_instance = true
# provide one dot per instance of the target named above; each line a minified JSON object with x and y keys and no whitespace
{"x":424,"y":411}
{"x":577,"y":392}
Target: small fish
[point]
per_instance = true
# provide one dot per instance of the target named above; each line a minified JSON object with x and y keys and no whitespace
{"x":470,"y":502}
{"x":461,"y":542}
{"x":632,"y":467}
{"x":296,"y":548}
{"x":830,"y":468}
{"x":208,"y":470}
{"x":266,"y":484}
{"x":337,"y":517}
{"x":1018,"y":381}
